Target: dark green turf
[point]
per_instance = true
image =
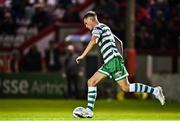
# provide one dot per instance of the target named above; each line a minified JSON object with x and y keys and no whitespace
{"x":61,"y":110}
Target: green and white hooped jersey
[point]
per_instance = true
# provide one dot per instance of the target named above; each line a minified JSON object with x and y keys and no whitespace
{"x":106,"y":42}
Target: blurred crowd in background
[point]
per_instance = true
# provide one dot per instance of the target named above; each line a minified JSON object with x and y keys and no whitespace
{"x":157,"y":23}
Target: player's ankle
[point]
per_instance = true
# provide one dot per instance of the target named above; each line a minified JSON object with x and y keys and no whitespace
{"x":156,"y":91}
{"x":89,"y":110}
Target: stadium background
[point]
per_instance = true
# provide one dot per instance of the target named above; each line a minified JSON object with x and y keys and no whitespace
{"x":32,"y":77}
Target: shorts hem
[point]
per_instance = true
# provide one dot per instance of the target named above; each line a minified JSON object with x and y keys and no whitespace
{"x":119,"y":78}
{"x":106,"y":73}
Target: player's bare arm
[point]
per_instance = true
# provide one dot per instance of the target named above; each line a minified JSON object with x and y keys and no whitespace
{"x":88,"y":49}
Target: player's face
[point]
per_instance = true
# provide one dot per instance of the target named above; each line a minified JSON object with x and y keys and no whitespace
{"x":89,"y":23}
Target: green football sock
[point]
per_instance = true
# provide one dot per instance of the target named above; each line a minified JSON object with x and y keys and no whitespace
{"x":138,"y":87}
{"x":92,"y":93}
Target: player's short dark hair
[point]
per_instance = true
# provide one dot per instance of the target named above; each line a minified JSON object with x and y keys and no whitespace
{"x":90,"y":14}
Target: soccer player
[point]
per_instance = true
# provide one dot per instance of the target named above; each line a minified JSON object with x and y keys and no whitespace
{"x":113,"y":66}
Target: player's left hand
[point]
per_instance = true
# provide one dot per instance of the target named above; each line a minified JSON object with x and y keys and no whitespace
{"x":78,"y":59}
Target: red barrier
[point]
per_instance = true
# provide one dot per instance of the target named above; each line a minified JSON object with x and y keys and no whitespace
{"x":131,"y":62}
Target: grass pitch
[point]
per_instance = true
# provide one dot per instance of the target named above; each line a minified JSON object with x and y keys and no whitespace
{"x":61,"y":110}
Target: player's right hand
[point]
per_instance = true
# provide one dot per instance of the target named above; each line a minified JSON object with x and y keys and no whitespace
{"x":78,"y":59}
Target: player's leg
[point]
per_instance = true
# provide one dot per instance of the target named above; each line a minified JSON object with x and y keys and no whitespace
{"x":138,"y":87}
{"x":156,"y":91}
{"x":135,"y":87}
{"x":92,"y":93}
{"x":121,"y":76}
{"x":92,"y":89}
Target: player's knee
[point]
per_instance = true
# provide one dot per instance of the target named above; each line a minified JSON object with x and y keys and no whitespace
{"x":125,"y":88}
{"x":91,"y":83}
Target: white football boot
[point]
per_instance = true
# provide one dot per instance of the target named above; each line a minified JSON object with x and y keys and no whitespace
{"x":160,"y":95}
{"x":88,"y":113}
{"x":78,"y":112}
